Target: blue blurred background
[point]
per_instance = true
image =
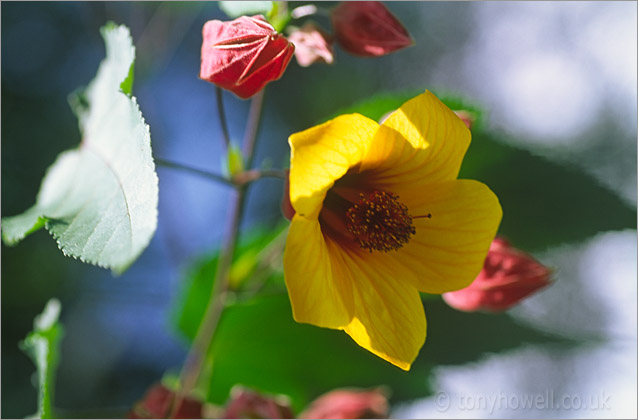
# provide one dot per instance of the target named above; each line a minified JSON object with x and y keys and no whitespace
{"x":558,"y":78}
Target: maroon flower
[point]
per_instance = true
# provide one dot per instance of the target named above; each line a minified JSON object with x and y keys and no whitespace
{"x":508,"y":276}
{"x":248,"y":404}
{"x":158,"y":404}
{"x":349,"y":404}
{"x":368,"y":29}
{"x":243,"y":55}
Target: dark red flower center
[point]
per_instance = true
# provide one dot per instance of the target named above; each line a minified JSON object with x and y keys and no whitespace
{"x":380,"y":222}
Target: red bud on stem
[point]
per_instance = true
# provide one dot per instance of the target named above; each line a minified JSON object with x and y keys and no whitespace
{"x":243,"y":55}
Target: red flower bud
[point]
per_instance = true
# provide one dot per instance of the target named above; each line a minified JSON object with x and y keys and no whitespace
{"x":508,"y":276}
{"x":368,"y":29}
{"x":312,"y":45}
{"x":349,"y":404}
{"x":247,"y":404}
{"x":243,"y":55}
{"x":158,"y":404}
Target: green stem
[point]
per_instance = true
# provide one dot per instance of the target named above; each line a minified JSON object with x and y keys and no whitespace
{"x":250,"y":136}
{"x":222,"y":116}
{"x":206,"y":331}
{"x":209,"y":175}
{"x":241,"y":179}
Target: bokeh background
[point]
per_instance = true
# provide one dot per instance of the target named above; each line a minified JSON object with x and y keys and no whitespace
{"x":557,"y":79}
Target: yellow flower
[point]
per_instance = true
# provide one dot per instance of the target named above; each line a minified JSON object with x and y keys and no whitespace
{"x":381,"y":216}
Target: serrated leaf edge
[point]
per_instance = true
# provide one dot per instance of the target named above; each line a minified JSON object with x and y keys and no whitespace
{"x":120,"y":268}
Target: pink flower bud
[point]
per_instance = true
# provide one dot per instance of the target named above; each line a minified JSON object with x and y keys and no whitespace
{"x":312,"y":45}
{"x":248,"y":404}
{"x":368,"y":29}
{"x":158,"y":404}
{"x":243,"y":55}
{"x":466,"y":117}
{"x":349,"y":404}
{"x":508,"y":276}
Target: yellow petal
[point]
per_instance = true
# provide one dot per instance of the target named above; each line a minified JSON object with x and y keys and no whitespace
{"x":322,"y":154}
{"x":318,"y":295}
{"x":388,"y":313}
{"x":448,"y":250}
{"x":422,"y":141}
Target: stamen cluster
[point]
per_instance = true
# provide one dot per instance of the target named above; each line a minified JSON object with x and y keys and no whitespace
{"x":380,"y":222}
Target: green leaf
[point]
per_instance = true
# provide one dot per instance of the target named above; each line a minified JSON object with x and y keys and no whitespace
{"x":15,"y":228}
{"x":544,"y":203}
{"x":99,"y":201}
{"x":378,"y":105}
{"x":43,"y":346}
{"x":258,"y":344}
{"x":235,"y":9}
{"x":127,"y":84}
{"x":258,"y":256}
{"x":456,"y":337}
{"x":381,"y":104}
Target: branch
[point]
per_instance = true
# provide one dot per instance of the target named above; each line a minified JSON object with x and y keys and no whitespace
{"x":206,"y":331}
{"x":209,"y":175}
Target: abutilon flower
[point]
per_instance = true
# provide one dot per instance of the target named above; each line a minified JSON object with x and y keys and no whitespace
{"x":379,"y":216}
{"x":368,"y":29}
{"x":243,"y":55}
{"x":508,"y":276}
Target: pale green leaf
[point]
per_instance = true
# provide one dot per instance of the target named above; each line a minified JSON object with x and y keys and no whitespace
{"x":99,"y":201}
{"x":15,"y":228}
{"x":42,"y":345}
{"x":235,"y":9}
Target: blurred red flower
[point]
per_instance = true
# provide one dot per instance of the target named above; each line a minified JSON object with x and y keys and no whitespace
{"x":508,"y":276}
{"x":243,"y":55}
{"x":349,"y":404}
{"x":158,"y":404}
{"x":368,"y":29}
{"x":248,"y":404}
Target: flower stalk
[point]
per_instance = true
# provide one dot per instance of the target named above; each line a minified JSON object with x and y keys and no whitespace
{"x":222,"y":117}
{"x":252,"y":127}
{"x":217,"y":302}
